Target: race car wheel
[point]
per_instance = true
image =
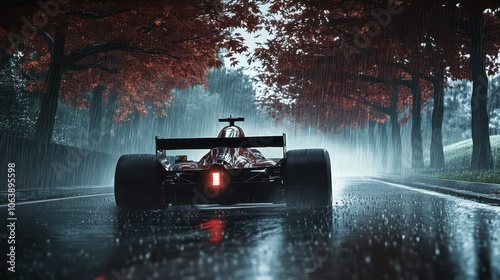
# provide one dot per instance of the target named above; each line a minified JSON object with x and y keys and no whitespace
{"x":136,"y":183}
{"x":308,"y":180}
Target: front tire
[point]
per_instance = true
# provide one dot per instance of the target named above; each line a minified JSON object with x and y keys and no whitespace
{"x":308,"y":179}
{"x":137,"y":184}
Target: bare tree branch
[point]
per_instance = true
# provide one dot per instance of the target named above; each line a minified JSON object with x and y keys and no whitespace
{"x":73,"y":57}
{"x":405,"y":68}
{"x":48,"y":39}
{"x":378,"y":80}
{"x":96,"y":15}
{"x":378,"y":107}
{"x":98,"y":65}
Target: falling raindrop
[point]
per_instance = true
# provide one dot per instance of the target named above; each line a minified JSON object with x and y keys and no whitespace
{"x":367,"y":259}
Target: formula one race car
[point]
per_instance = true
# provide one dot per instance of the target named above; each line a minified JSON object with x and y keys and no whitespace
{"x":233,"y":171}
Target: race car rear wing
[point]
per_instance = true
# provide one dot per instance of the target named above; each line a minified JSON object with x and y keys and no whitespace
{"x":164,"y":144}
{"x":210,"y":143}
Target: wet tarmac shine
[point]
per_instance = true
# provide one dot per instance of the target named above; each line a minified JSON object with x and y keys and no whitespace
{"x":372,"y":231}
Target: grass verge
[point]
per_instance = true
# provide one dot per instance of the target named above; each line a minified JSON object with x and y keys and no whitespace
{"x":457,"y":158}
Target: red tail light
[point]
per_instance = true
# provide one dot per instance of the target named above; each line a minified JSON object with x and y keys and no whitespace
{"x":216,"y":179}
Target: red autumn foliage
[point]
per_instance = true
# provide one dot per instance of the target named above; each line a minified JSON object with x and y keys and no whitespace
{"x":333,"y":62}
{"x":139,"y":50}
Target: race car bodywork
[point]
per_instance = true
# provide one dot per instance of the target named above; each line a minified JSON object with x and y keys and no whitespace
{"x":232,"y":171}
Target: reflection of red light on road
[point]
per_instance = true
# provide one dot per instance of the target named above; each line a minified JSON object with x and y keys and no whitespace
{"x":216,"y":228}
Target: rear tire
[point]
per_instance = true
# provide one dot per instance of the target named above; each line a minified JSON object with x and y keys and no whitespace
{"x":136,"y":183}
{"x":308,"y":179}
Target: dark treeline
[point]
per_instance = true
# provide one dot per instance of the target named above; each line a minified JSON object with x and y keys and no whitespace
{"x":337,"y":66}
{"x":193,"y":113}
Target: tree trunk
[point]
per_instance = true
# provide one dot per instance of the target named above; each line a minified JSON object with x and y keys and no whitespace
{"x":95,"y":127}
{"x":109,"y":120}
{"x":383,"y":146}
{"x":47,"y":115}
{"x":372,"y":142}
{"x":481,"y":148}
{"x":395,"y":131}
{"x":436,"y":152}
{"x":416,"y":124}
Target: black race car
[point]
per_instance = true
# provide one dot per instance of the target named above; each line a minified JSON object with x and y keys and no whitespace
{"x":233,"y":171}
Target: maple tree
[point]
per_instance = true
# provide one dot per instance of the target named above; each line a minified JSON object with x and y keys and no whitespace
{"x":461,"y":40}
{"x":426,"y":54}
{"x":323,"y":51}
{"x":138,"y":51}
{"x":316,"y":53}
{"x":474,"y":12}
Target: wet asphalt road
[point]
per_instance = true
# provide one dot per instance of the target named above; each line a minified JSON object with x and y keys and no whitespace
{"x":373,"y":231}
